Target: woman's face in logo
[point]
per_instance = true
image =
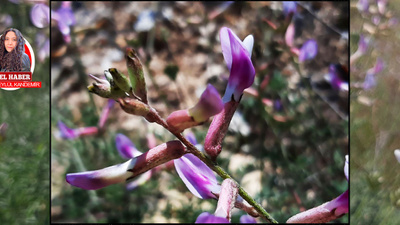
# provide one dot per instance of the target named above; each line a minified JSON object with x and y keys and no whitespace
{"x":10,"y":41}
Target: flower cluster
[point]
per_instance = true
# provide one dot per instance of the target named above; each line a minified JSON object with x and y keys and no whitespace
{"x":130,"y":92}
{"x":195,"y":168}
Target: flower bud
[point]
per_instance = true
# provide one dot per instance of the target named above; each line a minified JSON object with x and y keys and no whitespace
{"x":227,"y":198}
{"x":181,"y":120}
{"x":136,"y":74}
{"x":105,"y":88}
{"x":101,"y":90}
{"x":134,"y":107}
{"x":120,"y":80}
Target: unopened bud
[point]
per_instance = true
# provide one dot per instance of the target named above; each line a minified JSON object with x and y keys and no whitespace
{"x":101,"y":90}
{"x":227,"y":198}
{"x":136,"y":74}
{"x":134,"y":107}
{"x":181,"y":120}
{"x":120,"y":80}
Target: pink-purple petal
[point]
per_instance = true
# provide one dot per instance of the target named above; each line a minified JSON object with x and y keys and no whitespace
{"x":289,"y":7}
{"x":340,"y":204}
{"x":226,"y":46}
{"x":227,"y":37}
{"x":207,"y":217}
{"x":66,"y":132}
{"x":125,"y":147}
{"x":92,"y":180}
{"x":289,"y":35}
{"x":197,"y":176}
{"x":247,"y":219}
{"x":40,"y":15}
{"x":191,"y":138}
{"x":106,"y":112}
{"x":379,"y":65}
{"x":308,"y":51}
{"x":210,"y":104}
{"x":242,"y":71}
{"x":369,"y":81}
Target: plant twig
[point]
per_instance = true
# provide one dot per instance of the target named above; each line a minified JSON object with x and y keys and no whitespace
{"x":220,"y":171}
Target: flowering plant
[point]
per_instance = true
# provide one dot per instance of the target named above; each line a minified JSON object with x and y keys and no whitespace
{"x":201,"y":171}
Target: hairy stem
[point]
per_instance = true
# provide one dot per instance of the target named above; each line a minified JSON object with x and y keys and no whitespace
{"x":219,"y":170}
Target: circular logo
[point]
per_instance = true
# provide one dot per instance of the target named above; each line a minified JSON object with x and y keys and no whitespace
{"x":31,"y":54}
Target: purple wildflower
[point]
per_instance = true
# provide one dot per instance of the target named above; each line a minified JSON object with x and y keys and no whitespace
{"x":237,"y":55}
{"x":289,"y":7}
{"x":40,"y":15}
{"x":308,"y":51}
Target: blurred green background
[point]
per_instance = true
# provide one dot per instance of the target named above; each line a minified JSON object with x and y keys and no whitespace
{"x":24,"y":153}
{"x":375,"y":179}
{"x":289,"y":158}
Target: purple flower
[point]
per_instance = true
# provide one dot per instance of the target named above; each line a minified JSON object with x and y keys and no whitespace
{"x":191,"y":138}
{"x":363,"y":44}
{"x":289,"y":7}
{"x":69,"y":133}
{"x":40,"y":15}
{"x":207,"y":217}
{"x":197,"y":176}
{"x":237,"y":55}
{"x":362,"y":6}
{"x":379,"y":65}
{"x":128,"y":150}
{"x":376,"y":19}
{"x":125,"y":147}
{"x":397,"y":154}
{"x":65,"y":18}
{"x":247,"y":219}
{"x":370,"y":78}
{"x":336,"y":72}
{"x":105,"y":112}
{"x":341,"y":203}
{"x":210,"y":104}
{"x":278,"y":105}
{"x":382,"y":6}
{"x":97,"y":179}
{"x":369,"y":81}
{"x":308,"y":51}
{"x":156,"y":156}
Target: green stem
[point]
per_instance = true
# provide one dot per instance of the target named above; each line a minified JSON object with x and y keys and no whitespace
{"x":220,"y":171}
